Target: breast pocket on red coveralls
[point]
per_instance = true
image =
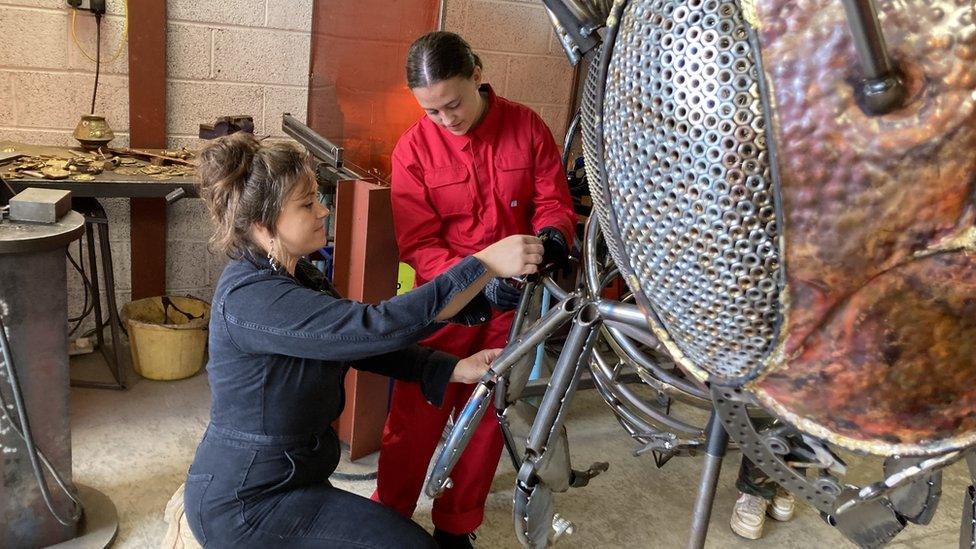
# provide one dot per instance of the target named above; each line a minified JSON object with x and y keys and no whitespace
{"x":449,"y":190}
{"x":515,"y":179}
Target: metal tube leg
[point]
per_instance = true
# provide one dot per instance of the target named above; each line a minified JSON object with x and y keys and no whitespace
{"x":93,"y":275}
{"x":967,"y":530}
{"x":715,"y":446}
{"x":113,"y":311}
{"x":567,"y":369}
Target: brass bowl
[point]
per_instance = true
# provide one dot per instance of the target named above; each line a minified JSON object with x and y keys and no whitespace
{"x":93,"y":132}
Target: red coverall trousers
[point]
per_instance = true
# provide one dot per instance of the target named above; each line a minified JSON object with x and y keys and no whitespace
{"x":414,"y":428}
{"x":453,"y":196}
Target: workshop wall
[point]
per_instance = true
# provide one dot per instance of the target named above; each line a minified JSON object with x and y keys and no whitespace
{"x":223,"y":57}
{"x":226,"y":57}
{"x":522,"y":56}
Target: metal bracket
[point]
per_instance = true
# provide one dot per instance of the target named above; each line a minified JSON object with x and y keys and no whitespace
{"x":730,"y":404}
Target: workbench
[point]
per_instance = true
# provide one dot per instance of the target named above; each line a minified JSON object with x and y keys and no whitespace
{"x":148,"y":234}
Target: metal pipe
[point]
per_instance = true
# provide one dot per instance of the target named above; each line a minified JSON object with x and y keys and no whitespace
{"x":624,"y":313}
{"x":569,"y":47}
{"x":862,"y":18}
{"x":538,"y":332}
{"x":522,"y":310}
{"x":602,"y":374}
{"x":564,"y":373}
{"x":882,"y":90}
{"x":508,"y":438}
{"x":580,"y":31}
{"x":717,"y":443}
{"x":634,"y":354}
{"x":501,"y":391}
{"x":591,"y":270}
{"x":554,"y":288}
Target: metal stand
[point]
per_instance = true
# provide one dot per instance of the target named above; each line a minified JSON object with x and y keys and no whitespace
{"x":95,"y":217}
{"x":98,"y":526}
{"x":718,"y":442}
{"x":967,"y":530}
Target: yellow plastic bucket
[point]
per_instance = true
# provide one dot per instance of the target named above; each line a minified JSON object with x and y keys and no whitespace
{"x":167,"y":336}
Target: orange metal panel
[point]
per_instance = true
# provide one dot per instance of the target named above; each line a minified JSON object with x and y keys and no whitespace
{"x":365,"y":269}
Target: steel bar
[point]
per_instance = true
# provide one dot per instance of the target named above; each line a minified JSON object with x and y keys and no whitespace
{"x":715,"y":447}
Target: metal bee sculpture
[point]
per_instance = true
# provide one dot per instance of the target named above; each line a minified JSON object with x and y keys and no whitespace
{"x":788,"y":188}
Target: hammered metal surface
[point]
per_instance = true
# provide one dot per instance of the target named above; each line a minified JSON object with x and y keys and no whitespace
{"x":878,"y":343}
{"x":688,"y":176}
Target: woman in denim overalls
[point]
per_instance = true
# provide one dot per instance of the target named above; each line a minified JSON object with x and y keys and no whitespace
{"x":281,"y":340}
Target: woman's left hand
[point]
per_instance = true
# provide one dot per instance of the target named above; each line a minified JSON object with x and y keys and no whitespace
{"x":471,"y":369}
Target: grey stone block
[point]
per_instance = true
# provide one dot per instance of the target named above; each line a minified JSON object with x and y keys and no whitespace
{"x":40,"y":205}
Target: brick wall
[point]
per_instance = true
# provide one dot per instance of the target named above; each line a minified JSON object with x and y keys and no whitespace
{"x":521,"y":54}
{"x":227,"y":57}
{"x":223,"y":57}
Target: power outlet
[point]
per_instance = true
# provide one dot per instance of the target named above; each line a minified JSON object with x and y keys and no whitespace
{"x":94,"y":6}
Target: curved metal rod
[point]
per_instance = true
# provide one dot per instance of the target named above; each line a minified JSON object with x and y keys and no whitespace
{"x":555,"y":289}
{"x":622,"y":393}
{"x":641,"y":360}
{"x":570,"y":135}
{"x":643,"y":432}
{"x":591,"y":269}
{"x":653,"y":381}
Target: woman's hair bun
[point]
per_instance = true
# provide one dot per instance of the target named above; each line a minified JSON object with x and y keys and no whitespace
{"x":226,"y":161}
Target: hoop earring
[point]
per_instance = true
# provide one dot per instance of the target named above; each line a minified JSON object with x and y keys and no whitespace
{"x":274,"y":263}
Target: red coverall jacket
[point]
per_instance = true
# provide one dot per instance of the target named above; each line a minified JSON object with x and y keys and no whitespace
{"x":455,"y":195}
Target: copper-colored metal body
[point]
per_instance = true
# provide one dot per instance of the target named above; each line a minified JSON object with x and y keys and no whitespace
{"x":878,"y":340}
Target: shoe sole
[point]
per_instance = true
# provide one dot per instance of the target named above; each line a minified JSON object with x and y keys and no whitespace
{"x":746,"y":532}
{"x":779,"y":516}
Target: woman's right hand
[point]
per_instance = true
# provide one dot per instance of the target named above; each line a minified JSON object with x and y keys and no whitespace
{"x":515,"y":255}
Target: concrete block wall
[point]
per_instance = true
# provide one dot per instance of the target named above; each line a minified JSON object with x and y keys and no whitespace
{"x":226,"y":57}
{"x":223,"y":57}
{"x":521,"y":54}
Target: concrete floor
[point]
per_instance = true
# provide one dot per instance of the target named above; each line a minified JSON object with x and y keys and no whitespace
{"x":136,"y":445}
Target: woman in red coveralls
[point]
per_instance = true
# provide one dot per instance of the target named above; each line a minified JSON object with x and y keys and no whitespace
{"x":475,"y":169}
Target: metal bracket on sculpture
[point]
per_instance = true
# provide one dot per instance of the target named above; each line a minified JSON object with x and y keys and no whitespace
{"x":821,"y":492}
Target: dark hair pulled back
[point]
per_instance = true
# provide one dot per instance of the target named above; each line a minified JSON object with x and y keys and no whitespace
{"x":438,"y":56}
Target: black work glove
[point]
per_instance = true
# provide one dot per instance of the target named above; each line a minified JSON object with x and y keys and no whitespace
{"x":502,"y":295}
{"x":555,"y":257}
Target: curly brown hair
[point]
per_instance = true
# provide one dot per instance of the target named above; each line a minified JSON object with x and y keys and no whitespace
{"x":243,"y":182}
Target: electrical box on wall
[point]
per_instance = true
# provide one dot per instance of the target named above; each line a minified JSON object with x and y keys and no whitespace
{"x":94,"y":6}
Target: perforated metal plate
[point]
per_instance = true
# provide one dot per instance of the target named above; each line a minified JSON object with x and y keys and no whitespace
{"x":589,"y":117}
{"x":685,"y":156}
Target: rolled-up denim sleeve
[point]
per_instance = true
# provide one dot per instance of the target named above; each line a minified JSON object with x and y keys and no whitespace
{"x":476,"y":312}
{"x":274,"y":314}
{"x":430,"y":367}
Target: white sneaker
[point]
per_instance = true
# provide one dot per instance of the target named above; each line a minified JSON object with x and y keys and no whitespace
{"x":749,"y":516}
{"x":782,"y":507}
